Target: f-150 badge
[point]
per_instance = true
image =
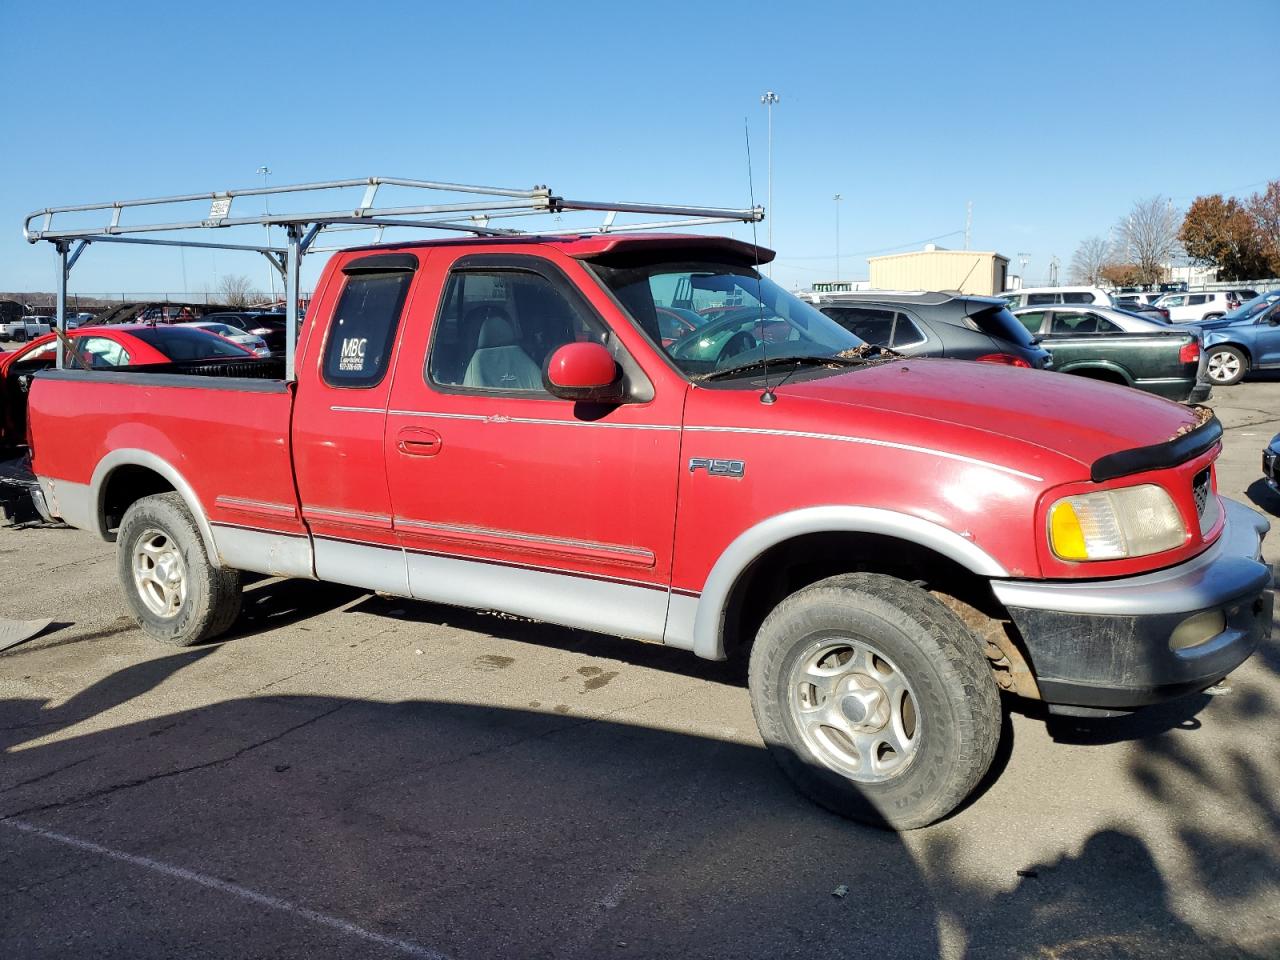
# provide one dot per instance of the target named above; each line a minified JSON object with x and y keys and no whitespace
{"x":718,"y":468}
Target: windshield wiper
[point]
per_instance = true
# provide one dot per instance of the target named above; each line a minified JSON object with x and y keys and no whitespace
{"x":800,"y":358}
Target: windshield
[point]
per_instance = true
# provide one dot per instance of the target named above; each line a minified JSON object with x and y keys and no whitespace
{"x":1253,"y":307}
{"x":741,"y":316}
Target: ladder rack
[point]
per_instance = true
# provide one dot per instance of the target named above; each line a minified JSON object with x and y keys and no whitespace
{"x":471,"y":209}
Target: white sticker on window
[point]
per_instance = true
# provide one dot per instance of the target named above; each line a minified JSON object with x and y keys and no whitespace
{"x":352,"y":357}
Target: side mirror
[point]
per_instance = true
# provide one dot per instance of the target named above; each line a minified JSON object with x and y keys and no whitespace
{"x":583,"y":371}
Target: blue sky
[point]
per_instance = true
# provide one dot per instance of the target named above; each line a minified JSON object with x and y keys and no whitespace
{"x":909,"y":110}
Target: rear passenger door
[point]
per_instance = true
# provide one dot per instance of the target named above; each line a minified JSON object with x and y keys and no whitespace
{"x":507,"y":496}
{"x":340,"y":417}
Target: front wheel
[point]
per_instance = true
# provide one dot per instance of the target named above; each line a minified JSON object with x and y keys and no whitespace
{"x":176,"y":594}
{"x":875,"y":700}
{"x":1226,"y":365}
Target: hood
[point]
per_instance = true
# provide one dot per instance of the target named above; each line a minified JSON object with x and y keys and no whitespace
{"x":1204,"y":325}
{"x":1059,"y":414}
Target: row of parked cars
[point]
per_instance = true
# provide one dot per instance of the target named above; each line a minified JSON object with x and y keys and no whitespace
{"x":1094,"y":340}
{"x":1080,"y":330}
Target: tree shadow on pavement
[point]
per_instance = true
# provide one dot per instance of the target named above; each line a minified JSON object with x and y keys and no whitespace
{"x":473,"y":830}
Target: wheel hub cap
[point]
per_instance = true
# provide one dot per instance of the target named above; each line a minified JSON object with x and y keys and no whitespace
{"x":854,"y":709}
{"x":159,"y":573}
{"x":865,"y":705}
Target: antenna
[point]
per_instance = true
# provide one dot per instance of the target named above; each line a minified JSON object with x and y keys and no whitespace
{"x":767,"y":396}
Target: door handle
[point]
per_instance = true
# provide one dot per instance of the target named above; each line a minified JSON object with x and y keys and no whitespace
{"x":418,"y":442}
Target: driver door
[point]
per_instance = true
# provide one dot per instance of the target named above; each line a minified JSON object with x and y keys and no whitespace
{"x":564,"y":510}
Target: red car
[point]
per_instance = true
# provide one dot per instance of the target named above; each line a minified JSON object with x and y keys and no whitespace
{"x":889,"y":543}
{"x":135,"y":346}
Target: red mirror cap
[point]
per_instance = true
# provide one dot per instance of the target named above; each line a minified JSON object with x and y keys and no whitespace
{"x":582,"y":366}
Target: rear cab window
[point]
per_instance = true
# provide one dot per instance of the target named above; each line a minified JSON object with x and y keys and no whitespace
{"x":357,"y":352}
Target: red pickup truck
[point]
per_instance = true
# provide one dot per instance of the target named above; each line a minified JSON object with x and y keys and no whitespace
{"x":500,"y":423}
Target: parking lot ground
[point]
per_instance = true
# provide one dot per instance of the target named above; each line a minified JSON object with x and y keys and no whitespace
{"x":347,"y":775}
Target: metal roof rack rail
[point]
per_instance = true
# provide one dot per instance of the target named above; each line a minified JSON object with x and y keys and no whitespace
{"x":475,"y":215}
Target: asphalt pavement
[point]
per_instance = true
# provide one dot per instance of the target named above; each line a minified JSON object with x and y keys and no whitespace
{"x":351,"y":776}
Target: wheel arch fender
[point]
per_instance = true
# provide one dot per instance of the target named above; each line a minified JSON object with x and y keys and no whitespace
{"x":708,"y":634}
{"x":1083,"y":368}
{"x":130,"y":457}
{"x":1226,"y":341}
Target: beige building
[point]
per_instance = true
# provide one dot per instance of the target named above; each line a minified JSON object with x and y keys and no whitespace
{"x":933,"y":268}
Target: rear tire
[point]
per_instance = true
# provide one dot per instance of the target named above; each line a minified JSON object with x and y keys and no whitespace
{"x":174,"y":592}
{"x":1226,"y":365}
{"x":875,"y":700}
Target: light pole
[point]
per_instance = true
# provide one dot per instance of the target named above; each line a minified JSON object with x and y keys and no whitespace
{"x":264,"y":171}
{"x":1024,"y":259}
{"x":837,"y":198}
{"x":769,"y":99}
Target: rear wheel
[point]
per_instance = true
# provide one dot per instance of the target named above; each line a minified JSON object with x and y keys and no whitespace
{"x":176,"y":594}
{"x":1226,"y":365}
{"x":875,"y":700}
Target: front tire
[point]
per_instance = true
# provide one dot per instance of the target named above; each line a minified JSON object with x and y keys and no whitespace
{"x":875,"y":700}
{"x":175,"y":593}
{"x":1226,"y":365}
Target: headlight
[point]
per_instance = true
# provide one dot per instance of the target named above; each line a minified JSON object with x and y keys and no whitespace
{"x":1129,"y":522}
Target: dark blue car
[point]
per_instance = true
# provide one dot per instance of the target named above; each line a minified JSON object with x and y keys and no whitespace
{"x":1247,"y":338}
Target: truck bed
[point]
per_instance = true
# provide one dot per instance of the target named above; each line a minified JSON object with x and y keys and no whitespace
{"x":227,"y":435}
{"x":1148,"y":361}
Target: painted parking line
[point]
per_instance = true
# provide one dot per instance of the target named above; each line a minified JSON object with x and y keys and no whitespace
{"x":406,"y":947}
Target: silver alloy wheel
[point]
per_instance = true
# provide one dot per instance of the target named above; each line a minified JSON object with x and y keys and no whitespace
{"x":854,"y":709}
{"x":1223,"y":366}
{"x":159,"y":573}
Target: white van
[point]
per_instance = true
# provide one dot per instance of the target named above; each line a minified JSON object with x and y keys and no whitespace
{"x":1045,"y":296}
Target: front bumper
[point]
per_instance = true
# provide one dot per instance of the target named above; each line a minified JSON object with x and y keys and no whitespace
{"x":1116,"y":644}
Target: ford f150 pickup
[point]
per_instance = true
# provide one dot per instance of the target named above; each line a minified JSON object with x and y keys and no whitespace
{"x":500,"y":423}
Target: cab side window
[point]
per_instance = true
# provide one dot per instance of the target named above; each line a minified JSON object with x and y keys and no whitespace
{"x":99,"y":353}
{"x":497,"y":328}
{"x":1033,"y":320}
{"x":873,"y":325}
{"x":358,"y":350}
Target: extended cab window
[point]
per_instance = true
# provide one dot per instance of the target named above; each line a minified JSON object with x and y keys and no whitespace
{"x":358,"y":350}
{"x":497,"y":328}
{"x":1077,"y":297}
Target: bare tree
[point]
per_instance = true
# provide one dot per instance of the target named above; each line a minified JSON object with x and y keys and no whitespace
{"x":236,"y":290}
{"x":1087,"y":263}
{"x":1148,"y":237}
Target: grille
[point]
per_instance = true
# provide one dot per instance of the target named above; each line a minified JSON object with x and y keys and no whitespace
{"x":1200,"y":488}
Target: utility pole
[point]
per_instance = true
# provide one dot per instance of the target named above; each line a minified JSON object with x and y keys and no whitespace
{"x":1053,"y":270}
{"x":1023,"y":259}
{"x":769,"y":99}
{"x":968,"y":222}
{"x":264,"y":171}
{"x":837,"y":199}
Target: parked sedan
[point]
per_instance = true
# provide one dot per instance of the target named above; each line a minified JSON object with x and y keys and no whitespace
{"x":269,"y":326}
{"x":937,"y":325}
{"x":102,"y":348}
{"x":249,"y":341}
{"x":1247,"y":338}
